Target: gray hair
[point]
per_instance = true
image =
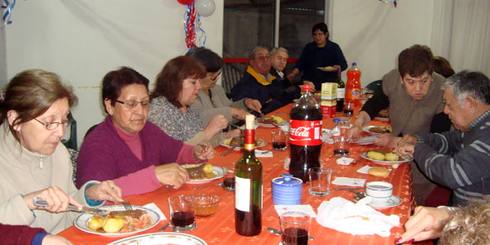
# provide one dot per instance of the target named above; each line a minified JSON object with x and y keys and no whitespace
{"x":274,"y":51}
{"x":470,"y":83}
{"x":255,"y":50}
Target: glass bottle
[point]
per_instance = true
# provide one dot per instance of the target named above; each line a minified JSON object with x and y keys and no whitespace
{"x":248,"y":185}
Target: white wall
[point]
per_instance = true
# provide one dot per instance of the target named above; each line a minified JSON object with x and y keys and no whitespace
{"x":373,"y":33}
{"x":84,"y":39}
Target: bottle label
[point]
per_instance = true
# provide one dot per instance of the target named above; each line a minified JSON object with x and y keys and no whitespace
{"x":340,"y":93}
{"x":304,"y":132}
{"x":242,"y":194}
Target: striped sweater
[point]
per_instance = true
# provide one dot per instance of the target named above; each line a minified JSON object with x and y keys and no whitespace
{"x":459,"y":160}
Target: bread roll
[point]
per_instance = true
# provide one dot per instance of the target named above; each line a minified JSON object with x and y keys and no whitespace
{"x":379,"y":172}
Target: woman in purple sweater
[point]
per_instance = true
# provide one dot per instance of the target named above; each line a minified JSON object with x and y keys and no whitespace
{"x":128,"y":149}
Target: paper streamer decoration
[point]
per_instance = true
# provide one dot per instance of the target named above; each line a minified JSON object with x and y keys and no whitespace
{"x":8,"y":7}
{"x":195,"y":36}
{"x":390,"y":1}
{"x":185,"y":2}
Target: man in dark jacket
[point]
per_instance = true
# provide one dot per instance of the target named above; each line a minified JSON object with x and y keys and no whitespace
{"x":458,"y":159}
{"x":258,"y":84}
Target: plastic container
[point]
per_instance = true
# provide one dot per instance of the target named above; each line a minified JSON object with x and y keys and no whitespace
{"x":286,"y":190}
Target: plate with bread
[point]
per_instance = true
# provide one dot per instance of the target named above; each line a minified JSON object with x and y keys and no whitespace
{"x":118,"y":222}
{"x":203,"y":172}
{"x":271,"y":121}
{"x":378,"y":171}
{"x":377,"y":129}
{"x":384,"y":157}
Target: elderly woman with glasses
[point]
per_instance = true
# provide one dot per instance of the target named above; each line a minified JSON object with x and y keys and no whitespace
{"x":211,"y":99}
{"x":127,"y":148}
{"x":35,"y":166}
{"x":176,"y":89}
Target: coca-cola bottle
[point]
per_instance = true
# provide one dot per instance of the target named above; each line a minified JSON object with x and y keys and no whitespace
{"x":305,"y":135}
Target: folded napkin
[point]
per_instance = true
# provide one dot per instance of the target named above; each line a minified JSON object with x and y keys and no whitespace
{"x":308,"y":209}
{"x":263,"y":153}
{"x":355,"y":218}
{"x":348,"y":181}
{"x":344,"y":161}
{"x":154,"y":207}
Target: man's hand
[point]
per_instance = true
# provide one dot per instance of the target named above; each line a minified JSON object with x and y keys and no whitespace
{"x":253,"y":105}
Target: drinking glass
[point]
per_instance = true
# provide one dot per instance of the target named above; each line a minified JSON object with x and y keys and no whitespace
{"x":294,"y":228}
{"x":320,"y":181}
{"x":181,"y":213}
{"x":279,"y":139}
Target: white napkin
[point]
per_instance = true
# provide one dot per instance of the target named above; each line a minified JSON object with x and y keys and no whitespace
{"x":263,"y":153}
{"x":344,"y":161}
{"x":367,"y":140}
{"x":355,"y":218}
{"x":154,"y":207}
{"x":348,"y":181}
{"x":280,"y":209}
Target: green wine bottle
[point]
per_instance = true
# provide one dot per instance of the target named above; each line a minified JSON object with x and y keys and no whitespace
{"x":248,"y":186}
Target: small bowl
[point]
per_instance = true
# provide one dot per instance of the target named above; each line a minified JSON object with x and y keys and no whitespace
{"x":379,"y":189}
{"x":205,"y":204}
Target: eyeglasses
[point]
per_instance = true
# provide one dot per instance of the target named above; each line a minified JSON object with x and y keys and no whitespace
{"x":214,"y":76}
{"x":53,"y":125}
{"x":131,"y":104}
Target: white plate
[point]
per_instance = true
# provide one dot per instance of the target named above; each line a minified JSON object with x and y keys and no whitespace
{"x":161,"y":238}
{"x":393,"y":201}
{"x":81,"y":222}
{"x":327,"y":68}
{"x":367,"y":129}
{"x":259,"y":143}
{"x":389,"y":163}
{"x":219,"y":172}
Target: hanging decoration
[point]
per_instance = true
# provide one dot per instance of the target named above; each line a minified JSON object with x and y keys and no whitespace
{"x":394,"y":2}
{"x":205,"y":8}
{"x":185,"y":2}
{"x":195,"y":36}
{"x":8,"y":7}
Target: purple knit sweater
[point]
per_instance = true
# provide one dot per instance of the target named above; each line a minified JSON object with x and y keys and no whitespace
{"x":105,"y":156}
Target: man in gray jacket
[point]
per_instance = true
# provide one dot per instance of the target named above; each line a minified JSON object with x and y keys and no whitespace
{"x":459,"y":159}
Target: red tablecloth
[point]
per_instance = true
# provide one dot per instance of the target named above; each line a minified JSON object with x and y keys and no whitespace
{"x":219,"y":228}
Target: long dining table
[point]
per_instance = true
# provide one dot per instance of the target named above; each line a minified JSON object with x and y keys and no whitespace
{"x":220,"y":227}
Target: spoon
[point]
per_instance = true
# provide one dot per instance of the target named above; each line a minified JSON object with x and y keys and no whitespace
{"x":279,"y":233}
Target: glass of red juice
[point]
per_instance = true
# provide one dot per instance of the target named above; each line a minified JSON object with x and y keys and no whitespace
{"x":279,"y":139}
{"x":294,"y":228}
{"x":182,"y":216}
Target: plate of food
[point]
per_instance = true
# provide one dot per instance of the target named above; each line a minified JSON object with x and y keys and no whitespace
{"x":119,"y":221}
{"x":384,"y":157}
{"x":377,"y":129}
{"x":237,"y":143}
{"x":159,"y":238}
{"x":203,"y":172}
{"x":271,"y":121}
{"x":327,"y":68}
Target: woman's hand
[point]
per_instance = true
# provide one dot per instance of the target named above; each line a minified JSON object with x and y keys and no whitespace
{"x":253,"y":105}
{"x":171,"y":174}
{"x":55,"y":240}
{"x":203,"y":152}
{"x":215,"y":125}
{"x":238,"y":113}
{"x":425,"y":223}
{"x":57,"y":200}
{"x":105,"y":191}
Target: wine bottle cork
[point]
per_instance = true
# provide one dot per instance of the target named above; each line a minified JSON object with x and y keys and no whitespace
{"x":249,"y":121}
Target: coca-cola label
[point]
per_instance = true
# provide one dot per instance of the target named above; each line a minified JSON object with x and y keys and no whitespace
{"x":304,"y":132}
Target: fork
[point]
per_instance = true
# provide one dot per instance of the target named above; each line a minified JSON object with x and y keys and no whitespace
{"x":127,"y":206}
{"x":39,"y":202}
